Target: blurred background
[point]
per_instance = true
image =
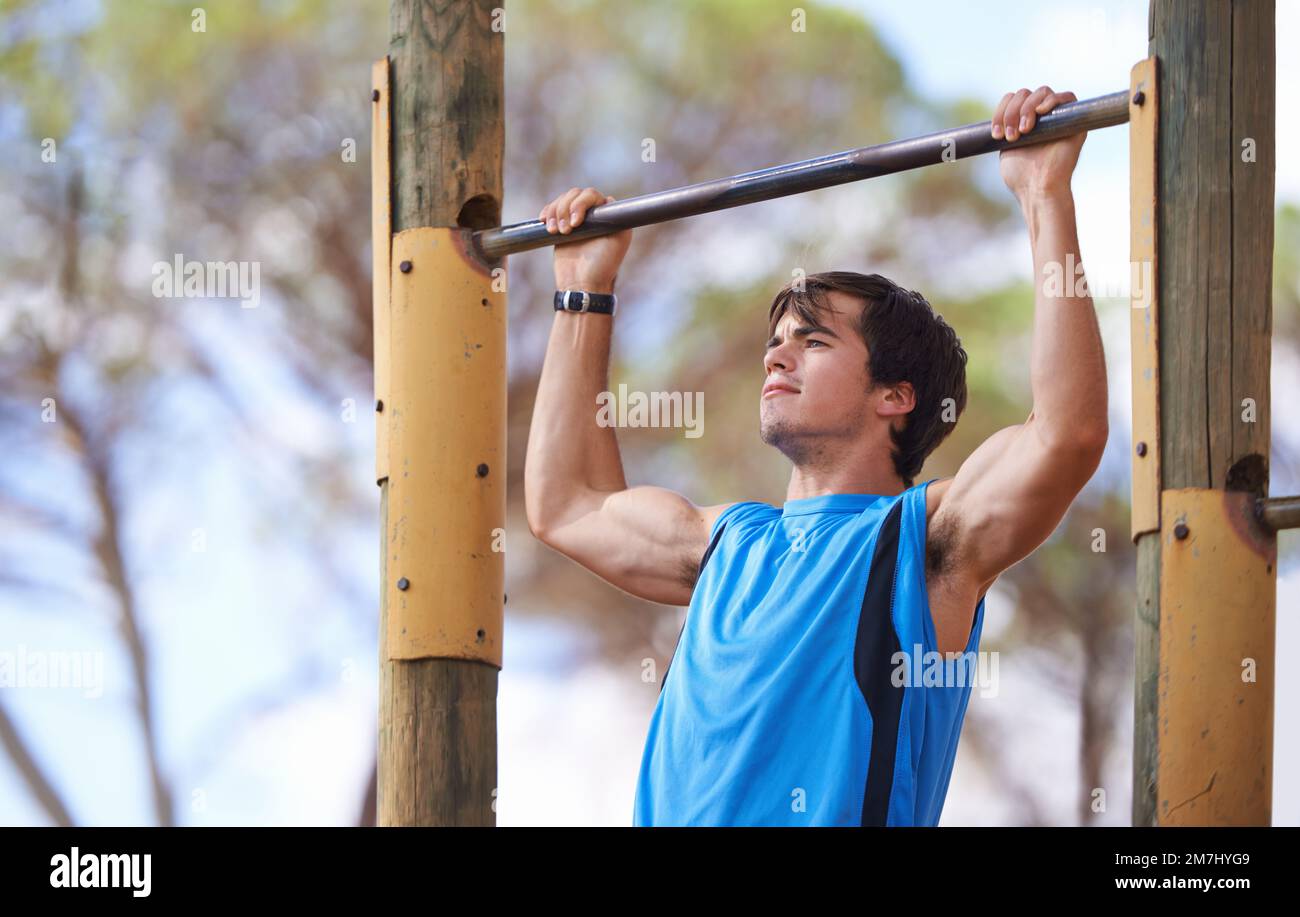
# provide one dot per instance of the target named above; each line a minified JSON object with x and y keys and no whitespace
{"x":188,"y":509}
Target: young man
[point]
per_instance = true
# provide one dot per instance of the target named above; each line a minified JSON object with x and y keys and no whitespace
{"x":786,"y":702}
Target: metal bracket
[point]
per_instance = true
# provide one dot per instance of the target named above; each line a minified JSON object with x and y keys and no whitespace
{"x":1144,"y":300}
{"x":381,"y":232}
{"x":1218,"y":581}
{"x":445,"y":532}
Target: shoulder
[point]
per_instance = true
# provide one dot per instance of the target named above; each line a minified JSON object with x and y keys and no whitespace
{"x":934,"y":495}
{"x":730,"y":513}
{"x":710,"y":515}
{"x":718,"y":518}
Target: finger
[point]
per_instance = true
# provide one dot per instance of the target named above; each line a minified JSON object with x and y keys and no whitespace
{"x":1059,"y":98}
{"x":1028,"y":109}
{"x":1048,"y":102}
{"x":589,"y":198}
{"x":1011,"y":117}
{"x":550,"y":213}
{"x":997,"y":115}
{"x":563,"y":204}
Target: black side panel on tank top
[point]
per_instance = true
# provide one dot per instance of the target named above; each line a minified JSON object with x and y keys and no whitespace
{"x":873,"y":655}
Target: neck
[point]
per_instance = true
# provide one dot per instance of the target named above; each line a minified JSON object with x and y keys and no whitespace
{"x":816,"y":482}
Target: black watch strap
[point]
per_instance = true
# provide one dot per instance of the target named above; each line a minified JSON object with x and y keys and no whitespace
{"x":582,"y":301}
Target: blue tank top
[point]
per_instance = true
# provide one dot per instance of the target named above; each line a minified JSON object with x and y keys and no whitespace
{"x":785,"y":702}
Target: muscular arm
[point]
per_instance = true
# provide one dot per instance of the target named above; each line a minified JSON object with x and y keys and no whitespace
{"x":1013,"y":491}
{"x":647,"y":541}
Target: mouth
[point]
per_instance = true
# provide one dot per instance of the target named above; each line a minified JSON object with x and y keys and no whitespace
{"x":777,"y":388}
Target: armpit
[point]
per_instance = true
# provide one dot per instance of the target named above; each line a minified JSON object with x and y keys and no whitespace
{"x":940,"y":542}
{"x":688,"y":572}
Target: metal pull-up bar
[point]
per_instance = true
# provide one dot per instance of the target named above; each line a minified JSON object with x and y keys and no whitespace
{"x":808,"y":175}
{"x":1278,"y":513}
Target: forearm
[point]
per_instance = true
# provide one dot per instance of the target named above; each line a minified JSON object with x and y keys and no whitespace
{"x":568,"y":451}
{"x":1067,"y":364}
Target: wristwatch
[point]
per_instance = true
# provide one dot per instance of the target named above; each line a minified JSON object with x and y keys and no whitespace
{"x":582,"y":301}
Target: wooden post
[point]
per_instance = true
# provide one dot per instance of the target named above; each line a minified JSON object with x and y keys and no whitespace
{"x":1207,"y":569}
{"x":440,"y":386}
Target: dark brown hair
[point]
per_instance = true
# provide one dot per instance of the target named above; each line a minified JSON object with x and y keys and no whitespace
{"x":906,"y":342}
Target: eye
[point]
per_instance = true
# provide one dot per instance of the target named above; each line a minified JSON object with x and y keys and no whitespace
{"x":810,"y":343}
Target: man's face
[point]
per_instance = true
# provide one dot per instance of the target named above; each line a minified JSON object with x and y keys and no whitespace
{"x":826,"y":366}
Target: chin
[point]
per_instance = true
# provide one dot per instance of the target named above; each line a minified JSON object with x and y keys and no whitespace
{"x":775,"y":430}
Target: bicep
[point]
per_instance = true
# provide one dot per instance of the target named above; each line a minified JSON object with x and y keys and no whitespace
{"x":645,"y":540}
{"x":1009,"y":496}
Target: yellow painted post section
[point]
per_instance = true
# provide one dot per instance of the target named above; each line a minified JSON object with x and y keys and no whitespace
{"x":447,"y":452}
{"x":1144,"y":298}
{"x":381,"y":223}
{"x":1217,"y":624}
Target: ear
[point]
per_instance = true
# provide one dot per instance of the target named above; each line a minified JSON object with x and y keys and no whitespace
{"x":900,"y":398}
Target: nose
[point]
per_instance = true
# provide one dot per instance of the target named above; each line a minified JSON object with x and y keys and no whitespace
{"x":777,"y":358}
